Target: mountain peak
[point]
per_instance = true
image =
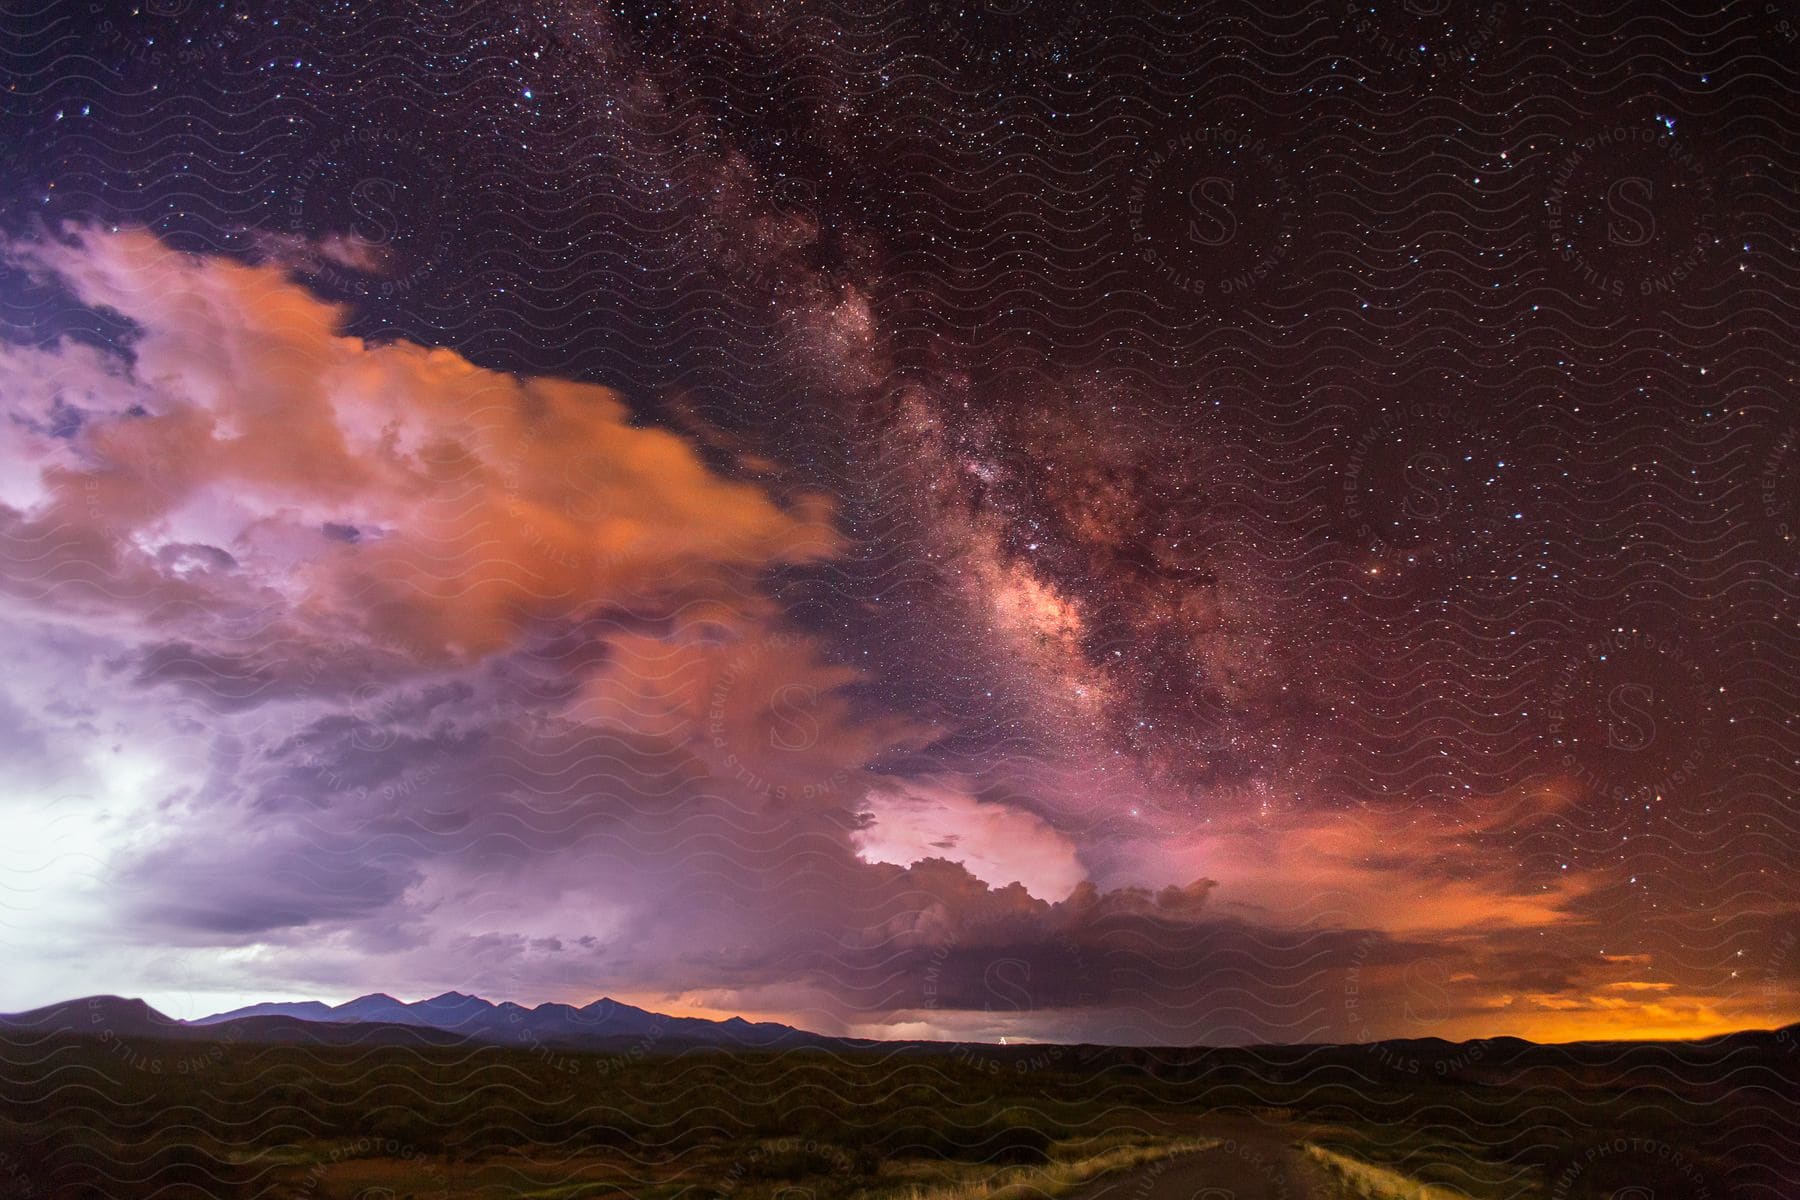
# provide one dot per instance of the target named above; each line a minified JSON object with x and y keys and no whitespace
{"x":306,"y":1010}
{"x":118,"y":1014}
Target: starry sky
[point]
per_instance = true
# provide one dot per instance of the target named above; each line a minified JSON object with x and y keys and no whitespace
{"x":1170,"y":523}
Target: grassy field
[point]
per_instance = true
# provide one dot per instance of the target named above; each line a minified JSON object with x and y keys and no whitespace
{"x":87,"y":1117}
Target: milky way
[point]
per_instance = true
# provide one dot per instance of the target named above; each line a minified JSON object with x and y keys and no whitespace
{"x":1182,"y":524}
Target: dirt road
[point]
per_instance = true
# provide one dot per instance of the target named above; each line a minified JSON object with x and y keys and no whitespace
{"x":1252,"y":1162}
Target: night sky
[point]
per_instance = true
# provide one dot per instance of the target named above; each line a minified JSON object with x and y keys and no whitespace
{"x":1166,"y":523}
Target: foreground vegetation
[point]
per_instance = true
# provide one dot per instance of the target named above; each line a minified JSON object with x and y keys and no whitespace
{"x":88,"y":1117}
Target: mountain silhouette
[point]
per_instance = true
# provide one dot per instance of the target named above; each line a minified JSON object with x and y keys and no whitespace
{"x":378,"y":1017}
{"x":455,"y":1018}
{"x":98,"y":1016}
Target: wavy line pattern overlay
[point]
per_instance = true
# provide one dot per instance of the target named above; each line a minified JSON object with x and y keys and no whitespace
{"x":939,"y":599}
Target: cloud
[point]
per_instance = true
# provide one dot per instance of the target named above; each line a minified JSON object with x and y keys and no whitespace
{"x":246,"y":468}
{"x":297,"y":253}
{"x":375,"y":612}
{"x":914,"y":820}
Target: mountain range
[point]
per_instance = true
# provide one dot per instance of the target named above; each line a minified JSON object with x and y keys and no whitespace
{"x":608,"y":1026}
{"x":452,"y":1016}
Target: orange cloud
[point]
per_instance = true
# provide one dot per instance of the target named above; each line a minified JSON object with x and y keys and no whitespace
{"x":339,"y":486}
{"x":1405,"y":875}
